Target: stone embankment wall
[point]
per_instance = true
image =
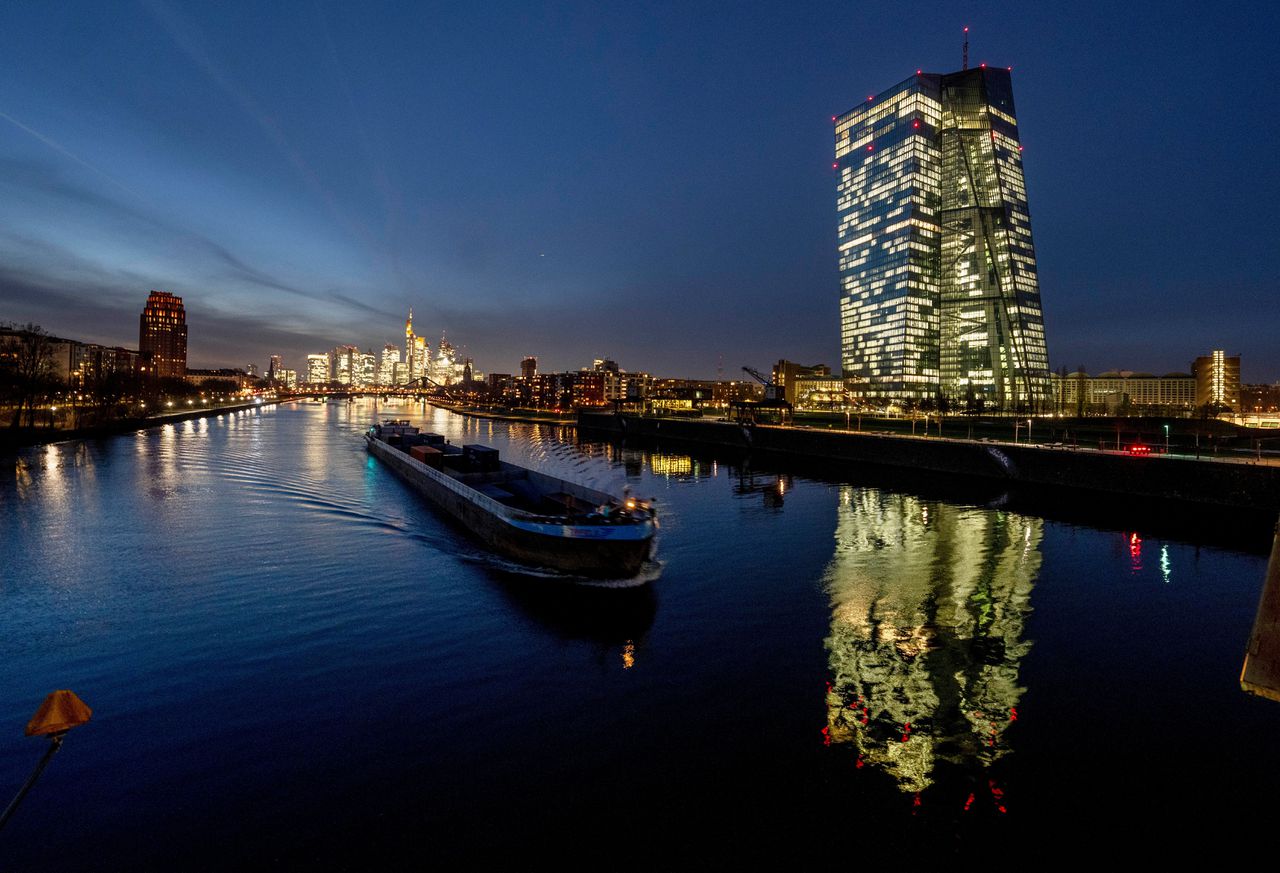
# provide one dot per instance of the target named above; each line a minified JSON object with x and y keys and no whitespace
{"x":1234,"y":484}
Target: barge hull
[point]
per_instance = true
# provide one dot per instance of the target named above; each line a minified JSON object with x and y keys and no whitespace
{"x":604,"y":558}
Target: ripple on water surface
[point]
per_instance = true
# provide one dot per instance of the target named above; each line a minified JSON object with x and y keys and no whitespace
{"x":290,"y":656}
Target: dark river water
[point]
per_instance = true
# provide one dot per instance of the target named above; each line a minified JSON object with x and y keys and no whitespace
{"x":295,"y":664}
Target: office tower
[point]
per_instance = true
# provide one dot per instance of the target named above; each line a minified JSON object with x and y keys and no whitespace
{"x":162,"y":334}
{"x":365,"y":372}
{"x":317,"y":369}
{"x":387,"y":367}
{"x":417,"y":352}
{"x":939,"y":297}
{"x":445,"y":368}
{"x":1217,"y":378}
{"x":346,"y":365}
{"x":528,"y":367}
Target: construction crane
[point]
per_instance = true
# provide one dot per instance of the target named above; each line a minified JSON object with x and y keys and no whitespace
{"x":774,"y":400}
{"x":771,"y":391}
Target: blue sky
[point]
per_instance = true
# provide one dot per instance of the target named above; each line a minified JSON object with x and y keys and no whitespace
{"x":647,"y":182}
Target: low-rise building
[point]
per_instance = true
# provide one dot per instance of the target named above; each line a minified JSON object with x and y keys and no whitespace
{"x":1123,"y":392}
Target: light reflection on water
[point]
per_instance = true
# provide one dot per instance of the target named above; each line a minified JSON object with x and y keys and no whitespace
{"x":202,"y":584}
{"x":929,"y":604}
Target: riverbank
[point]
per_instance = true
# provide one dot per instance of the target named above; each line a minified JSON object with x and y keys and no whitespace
{"x":501,"y":414}
{"x":1200,"y":483}
{"x":13,"y":439}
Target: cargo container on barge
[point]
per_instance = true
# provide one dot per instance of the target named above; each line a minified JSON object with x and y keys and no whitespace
{"x":534,"y":518}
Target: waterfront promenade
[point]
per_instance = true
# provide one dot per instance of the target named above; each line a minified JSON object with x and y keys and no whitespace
{"x":11,"y":439}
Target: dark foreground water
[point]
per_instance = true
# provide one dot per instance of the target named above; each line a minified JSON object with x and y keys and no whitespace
{"x":295,"y":664}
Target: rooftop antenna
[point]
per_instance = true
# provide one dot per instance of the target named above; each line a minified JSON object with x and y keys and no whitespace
{"x":966,"y":49}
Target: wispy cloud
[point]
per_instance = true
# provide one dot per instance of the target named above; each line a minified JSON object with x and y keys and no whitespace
{"x":67,"y":153}
{"x":184,"y":36}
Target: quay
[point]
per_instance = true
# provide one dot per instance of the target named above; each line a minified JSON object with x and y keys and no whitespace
{"x":503,"y":414}
{"x":1233,"y":484}
{"x":18,"y":438}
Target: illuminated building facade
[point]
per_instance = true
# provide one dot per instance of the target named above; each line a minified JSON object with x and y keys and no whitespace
{"x":346,"y":364}
{"x":1217,"y":381}
{"x":446,"y":370}
{"x":417,"y":354}
{"x":317,"y":369}
{"x":939,"y":295}
{"x":387,"y":366}
{"x":365,"y":370}
{"x":788,"y":374}
{"x":162,"y":335}
{"x":1122,"y":392}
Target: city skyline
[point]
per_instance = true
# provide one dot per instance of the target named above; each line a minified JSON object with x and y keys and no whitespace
{"x":296,"y":196}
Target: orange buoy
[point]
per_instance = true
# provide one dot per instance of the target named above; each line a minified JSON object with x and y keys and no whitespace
{"x":60,"y":712}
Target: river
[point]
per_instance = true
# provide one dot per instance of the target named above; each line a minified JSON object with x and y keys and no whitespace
{"x":293,"y":662}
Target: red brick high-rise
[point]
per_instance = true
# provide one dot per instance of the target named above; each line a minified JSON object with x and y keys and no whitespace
{"x":162,"y":332}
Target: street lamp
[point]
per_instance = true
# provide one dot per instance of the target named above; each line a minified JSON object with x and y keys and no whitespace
{"x":1166,"y":439}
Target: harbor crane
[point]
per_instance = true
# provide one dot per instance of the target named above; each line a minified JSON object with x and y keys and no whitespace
{"x":774,"y":399}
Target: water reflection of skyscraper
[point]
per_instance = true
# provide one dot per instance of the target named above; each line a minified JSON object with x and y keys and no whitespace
{"x":928,"y":606}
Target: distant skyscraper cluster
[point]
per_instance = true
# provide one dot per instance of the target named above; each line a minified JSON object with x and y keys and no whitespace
{"x":939,"y":296}
{"x":348,"y":365}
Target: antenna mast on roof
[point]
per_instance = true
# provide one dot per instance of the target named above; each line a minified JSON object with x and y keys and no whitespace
{"x":966,"y":49}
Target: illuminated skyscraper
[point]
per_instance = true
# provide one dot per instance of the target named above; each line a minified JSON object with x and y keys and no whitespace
{"x":162,"y":333}
{"x":417,"y":353}
{"x":317,"y":369}
{"x":387,"y":366}
{"x":939,"y":296}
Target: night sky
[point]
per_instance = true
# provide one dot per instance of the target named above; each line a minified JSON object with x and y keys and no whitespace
{"x":650,"y":183}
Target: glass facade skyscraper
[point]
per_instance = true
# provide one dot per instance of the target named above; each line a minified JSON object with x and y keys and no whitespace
{"x":939,"y":297}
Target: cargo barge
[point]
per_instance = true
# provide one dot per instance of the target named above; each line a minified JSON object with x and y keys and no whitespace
{"x":531,"y":517}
